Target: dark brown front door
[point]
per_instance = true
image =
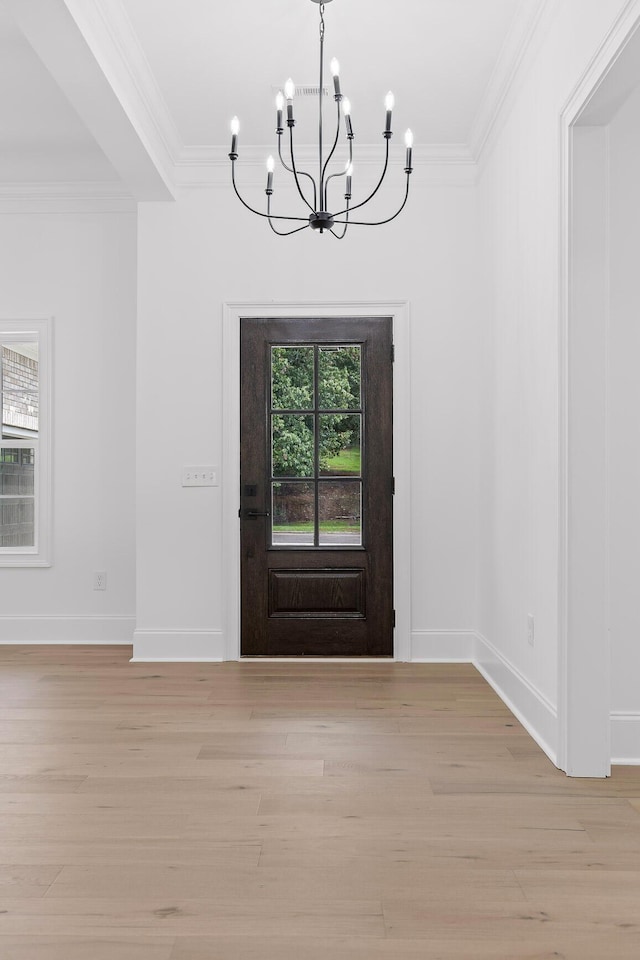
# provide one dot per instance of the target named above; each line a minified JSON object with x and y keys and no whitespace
{"x":316,"y":487}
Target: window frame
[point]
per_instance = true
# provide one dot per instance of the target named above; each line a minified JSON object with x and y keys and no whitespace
{"x":40,"y":332}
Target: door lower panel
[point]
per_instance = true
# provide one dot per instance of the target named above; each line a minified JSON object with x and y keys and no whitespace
{"x":317,"y":593}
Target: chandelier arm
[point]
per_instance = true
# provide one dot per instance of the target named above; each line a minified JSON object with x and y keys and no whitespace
{"x":333,"y":150}
{"x":301,"y":173}
{"x":287,"y":233}
{"x":282,"y":233}
{"x":378,"y":223}
{"x":341,"y":173}
{"x":340,"y":236}
{"x":373,"y":192}
{"x":258,"y":213}
{"x":335,"y":143}
{"x":295,"y":173}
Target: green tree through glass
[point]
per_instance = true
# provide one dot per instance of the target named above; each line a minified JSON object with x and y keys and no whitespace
{"x":292,"y":389}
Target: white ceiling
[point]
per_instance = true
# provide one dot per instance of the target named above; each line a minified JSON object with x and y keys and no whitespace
{"x":177,"y":70}
{"x":212,"y":60}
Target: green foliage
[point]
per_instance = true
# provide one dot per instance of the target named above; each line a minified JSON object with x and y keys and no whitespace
{"x":336,"y":434}
{"x":339,"y":378}
{"x":292,"y":446}
{"x":292,"y":378}
{"x":293,"y":386}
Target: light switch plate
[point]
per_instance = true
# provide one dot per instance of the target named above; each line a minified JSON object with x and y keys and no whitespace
{"x":199,"y":476}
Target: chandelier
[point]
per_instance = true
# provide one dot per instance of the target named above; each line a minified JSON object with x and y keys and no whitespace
{"x":315,"y":193}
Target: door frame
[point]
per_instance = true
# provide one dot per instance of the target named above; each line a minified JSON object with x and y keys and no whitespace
{"x":584,"y":694}
{"x":233,"y":313}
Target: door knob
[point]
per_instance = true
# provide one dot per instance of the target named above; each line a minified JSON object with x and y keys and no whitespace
{"x":256,"y":513}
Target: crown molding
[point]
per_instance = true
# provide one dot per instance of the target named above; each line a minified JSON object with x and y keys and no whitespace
{"x":64,"y":190}
{"x":524,"y":28}
{"x":66,"y":197}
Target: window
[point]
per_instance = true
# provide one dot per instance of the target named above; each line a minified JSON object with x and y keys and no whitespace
{"x":25,"y":487}
{"x":316,"y":445}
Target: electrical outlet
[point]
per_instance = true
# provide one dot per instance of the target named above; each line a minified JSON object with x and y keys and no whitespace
{"x":530,"y":630}
{"x":100,"y":580}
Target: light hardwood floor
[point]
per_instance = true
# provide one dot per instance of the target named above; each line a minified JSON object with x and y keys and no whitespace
{"x":296,"y":811}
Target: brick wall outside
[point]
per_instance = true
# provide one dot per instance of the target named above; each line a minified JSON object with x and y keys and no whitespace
{"x":20,"y":390}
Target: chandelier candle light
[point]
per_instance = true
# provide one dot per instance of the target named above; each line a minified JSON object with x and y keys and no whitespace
{"x":320,"y":219}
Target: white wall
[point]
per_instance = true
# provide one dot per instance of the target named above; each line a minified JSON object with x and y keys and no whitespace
{"x":519,"y":197}
{"x":624,"y":435}
{"x":204,"y":250}
{"x":80,"y":269}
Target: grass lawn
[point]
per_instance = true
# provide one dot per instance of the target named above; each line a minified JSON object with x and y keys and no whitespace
{"x":345,"y":463}
{"x":327,"y":526}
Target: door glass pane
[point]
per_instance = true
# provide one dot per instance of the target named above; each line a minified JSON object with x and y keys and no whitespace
{"x":293,"y":514}
{"x":292,"y":378}
{"x":340,"y":513}
{"x":340,"y":445}
{"x":20,"y":389}
{"x":339,"y":377}
{"x":16,"y":471}
{"x":292,"y":445}
{"x":16,"y":522}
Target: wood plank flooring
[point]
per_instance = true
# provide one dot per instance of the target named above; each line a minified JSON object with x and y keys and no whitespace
{"x":296,"y":811}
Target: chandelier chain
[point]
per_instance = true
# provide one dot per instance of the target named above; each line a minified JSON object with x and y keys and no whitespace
{"x":320,"y":94}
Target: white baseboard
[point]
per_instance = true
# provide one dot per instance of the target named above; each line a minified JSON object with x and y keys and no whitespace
{"x":442,"y":646}
{"x":625,"y":739}
{"x":66,"y":630}
{"x":536,"y":714}
{"x":177,"y":646}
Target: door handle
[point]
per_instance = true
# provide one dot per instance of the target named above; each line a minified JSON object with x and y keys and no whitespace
{"x":256,"y":513}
